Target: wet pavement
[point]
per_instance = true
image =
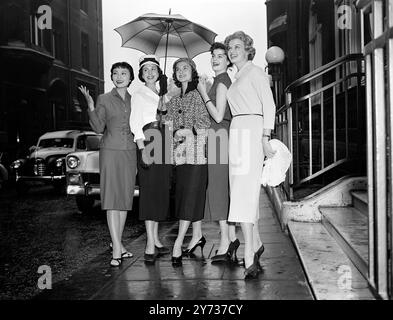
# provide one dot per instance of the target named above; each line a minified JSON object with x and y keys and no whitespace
{"x":44,"y":228}
{"x":197,"y":278}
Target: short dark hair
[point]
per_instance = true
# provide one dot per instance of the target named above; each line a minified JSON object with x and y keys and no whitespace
{"x":194,"y":76}
{"x":162,"y":78}
{"x":123,"y":65}
{"x":220,"y":45}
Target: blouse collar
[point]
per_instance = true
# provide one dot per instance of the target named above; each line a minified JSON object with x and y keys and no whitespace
{"x":244,"y":69}
{"x":116,"y":94}
{"x":148,"y":91}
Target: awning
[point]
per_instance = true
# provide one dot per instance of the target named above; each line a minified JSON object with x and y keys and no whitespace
{"x":278,"y":25}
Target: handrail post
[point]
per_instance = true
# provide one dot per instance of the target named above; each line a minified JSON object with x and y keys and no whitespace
{"x":288,"y":101}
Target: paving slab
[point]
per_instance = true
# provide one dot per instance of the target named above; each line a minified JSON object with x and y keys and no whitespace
{"x":197,"y":278}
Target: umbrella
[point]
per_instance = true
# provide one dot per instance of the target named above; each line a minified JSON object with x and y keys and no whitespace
{"x":166,"y":36}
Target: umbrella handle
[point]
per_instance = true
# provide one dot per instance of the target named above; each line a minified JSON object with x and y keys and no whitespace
{"x":160,"y":112}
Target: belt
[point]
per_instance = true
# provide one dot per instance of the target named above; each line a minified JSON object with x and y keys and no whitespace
{"x":151,"y":125}
{"x":247,"y":114}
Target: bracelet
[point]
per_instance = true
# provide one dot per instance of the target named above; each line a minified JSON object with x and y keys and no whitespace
{"x":162,"y":112}
{"x":207,"y":102}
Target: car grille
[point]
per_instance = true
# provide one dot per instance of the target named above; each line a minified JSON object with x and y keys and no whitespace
{"x":91,"y":178}
{"x":39,"y":169}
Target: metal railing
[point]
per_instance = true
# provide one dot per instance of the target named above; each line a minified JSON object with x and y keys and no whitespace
{"x":322,"y":119}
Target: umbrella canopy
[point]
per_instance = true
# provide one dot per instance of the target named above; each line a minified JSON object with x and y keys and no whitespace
{"x":166,"y":36}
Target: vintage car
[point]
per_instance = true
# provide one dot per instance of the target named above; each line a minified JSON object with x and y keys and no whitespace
{"x":46,"y":161}
{"x":83,"y":176}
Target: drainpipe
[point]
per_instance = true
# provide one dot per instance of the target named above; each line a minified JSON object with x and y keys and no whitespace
{"x":69,"y":59}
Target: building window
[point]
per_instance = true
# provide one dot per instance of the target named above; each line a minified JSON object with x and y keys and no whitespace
{"x":85,"y":6}
{"x":13,"y":23}
{"x":36,"y":33}
{"x":85,"y":50}
{"x":40,"y":37}
{"x":58,"y":40}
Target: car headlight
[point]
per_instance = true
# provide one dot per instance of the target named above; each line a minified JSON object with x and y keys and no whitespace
{"x":16,"y":164}
{"x":73,"y":162}
{"x":59,"y":162}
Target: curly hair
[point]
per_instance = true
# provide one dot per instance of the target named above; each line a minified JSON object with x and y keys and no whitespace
{"x":219,"y":45}
{"x":246,"y":39}
{"x":123,"y":65}
{"x":162,"y":78}
{"x":194,"y":75}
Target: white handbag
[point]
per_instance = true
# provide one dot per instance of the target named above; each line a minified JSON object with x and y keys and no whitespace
{"x":275,"y":168}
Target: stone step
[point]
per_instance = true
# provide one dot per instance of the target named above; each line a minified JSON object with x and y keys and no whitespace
{"x":331,"y":274}
{"x":360,"y":201}
{"x":349,"y":228}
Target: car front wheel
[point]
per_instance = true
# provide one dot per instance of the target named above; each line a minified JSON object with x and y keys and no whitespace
{"x":84,"y":204}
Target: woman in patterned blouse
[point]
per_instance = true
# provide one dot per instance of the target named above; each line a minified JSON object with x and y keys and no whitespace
{"x":190,"y":121}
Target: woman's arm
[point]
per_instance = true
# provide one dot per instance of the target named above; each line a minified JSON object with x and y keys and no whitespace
{"x":265,"y":95}
{"x":217,"y":111}
{"x":97,"y":116}
{"x":136,"y":119}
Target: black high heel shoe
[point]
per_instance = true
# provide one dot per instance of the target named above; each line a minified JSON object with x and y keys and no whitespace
{"x":220,"y":257}
{"x":252,"y":271}
{"x":201,"y":243}
{"x":177,"y":261}
{"x":162,"y":250}
{"x":258,"y":255}
{"x":150,"y":258}
{"x":232,"y":250}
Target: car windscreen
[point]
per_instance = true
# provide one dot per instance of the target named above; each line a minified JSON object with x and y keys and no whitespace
{"x":56,"y":143}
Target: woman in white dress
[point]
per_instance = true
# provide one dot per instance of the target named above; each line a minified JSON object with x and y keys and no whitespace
{"x":253,"y":109}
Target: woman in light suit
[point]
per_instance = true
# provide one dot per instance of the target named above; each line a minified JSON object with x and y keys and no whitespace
{"x":253,"y":109}
{"x":117,"y":154}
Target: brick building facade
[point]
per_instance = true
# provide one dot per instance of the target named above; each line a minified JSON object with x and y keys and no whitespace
{"x":42,"y":66}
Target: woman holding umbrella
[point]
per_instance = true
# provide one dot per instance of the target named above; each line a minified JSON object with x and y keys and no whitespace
{"x":190,"y":121}
{"x":253,"y":109}
{"x":154,"y":178}
{"x":117,"y":154}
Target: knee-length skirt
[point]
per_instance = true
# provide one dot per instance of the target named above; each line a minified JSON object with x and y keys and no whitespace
{"x":217,"y":193}
{"x":117,"y":179}
{"x":245,"y":168}
{"x":190,"y":191}
{"x":155,"y":183}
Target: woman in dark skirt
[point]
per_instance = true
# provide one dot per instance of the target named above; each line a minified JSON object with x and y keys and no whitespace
{"x":154,"y":174}
{"x":190,"y":121}
{"x":217,"y":193}
{"x":117,"y":154}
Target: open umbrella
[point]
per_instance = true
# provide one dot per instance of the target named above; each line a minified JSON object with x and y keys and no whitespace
{"x":166,"y":36}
